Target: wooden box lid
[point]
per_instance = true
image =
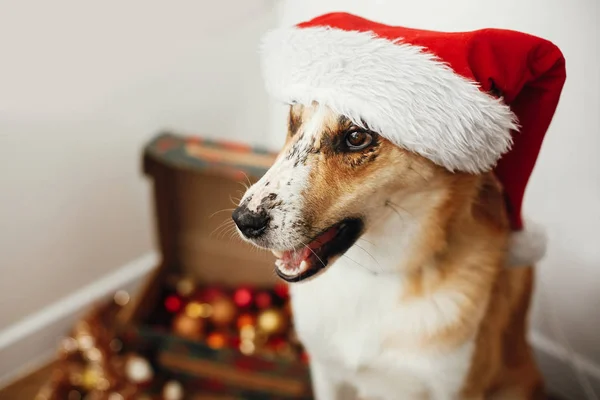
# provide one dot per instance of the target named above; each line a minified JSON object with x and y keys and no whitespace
{"x":196,"y":184}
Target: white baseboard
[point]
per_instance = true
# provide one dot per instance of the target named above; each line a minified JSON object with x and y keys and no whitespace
{"x":32,"y":342}
{"x":559,"y":372}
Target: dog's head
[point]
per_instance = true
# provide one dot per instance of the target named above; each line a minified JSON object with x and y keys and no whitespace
{"x":332,"y":181}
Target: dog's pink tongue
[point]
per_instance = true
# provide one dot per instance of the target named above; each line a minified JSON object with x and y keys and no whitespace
{"x":293,"y":258}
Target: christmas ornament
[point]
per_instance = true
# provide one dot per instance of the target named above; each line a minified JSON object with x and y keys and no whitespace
{"x":281,"y":290}
{"x":138,"y":370}
{"x":247,"y":347}
{"x":247,"y":332}
{"x":223,"y":311}
{"x":263,"y":300}
{"x":245,"y":319}
{"x":74,"y":395}
{"x":185,"y":287}
{"x":115,"y":345}
{"x":216,"y":340}
{"x":94,"y":355}
{"x":188,"y":327}
{"x":121,"y":298}
{"x":195,"y":309}
{"x":173,"y":303}
{"x":85,"y":342}
{"x":271,"y":321}
{"x":68,"y":346}
{"x":304,"y":357}
{"x":172,"y":390}
{"x":208,"y":294}
{"x":243,"y":297}
{"x":91,"y":378}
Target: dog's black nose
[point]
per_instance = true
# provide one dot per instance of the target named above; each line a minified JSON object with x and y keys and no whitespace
{"x":251,"y":224}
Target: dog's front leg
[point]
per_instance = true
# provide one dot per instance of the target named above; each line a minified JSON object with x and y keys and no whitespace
{"x":329,"y":385}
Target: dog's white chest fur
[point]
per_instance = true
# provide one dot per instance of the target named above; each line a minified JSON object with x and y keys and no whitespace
{"x":344,"y":318}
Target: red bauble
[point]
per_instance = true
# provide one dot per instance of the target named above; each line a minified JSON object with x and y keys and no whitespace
{"x":304,"y":357}
{"x":243,"y":297}
{"x":234,"y":342}
{"x":282,"y":290}
{"x":245,"y":320}
{"x":210,"y":293}
{"x":263,"y":300}
{"x":173,"y":304}
{"x":276,"y":343}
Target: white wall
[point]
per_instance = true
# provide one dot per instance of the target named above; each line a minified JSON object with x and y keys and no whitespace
{"x":83,"y":85}
{"x":564,"y":192}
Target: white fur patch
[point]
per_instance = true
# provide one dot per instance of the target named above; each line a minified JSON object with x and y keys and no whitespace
{"x":285,"y":181}
{"x":348,"y":316}
{"x":398,"y":90}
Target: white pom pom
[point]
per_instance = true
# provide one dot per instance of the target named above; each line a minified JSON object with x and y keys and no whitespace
{"x":527,"y":247}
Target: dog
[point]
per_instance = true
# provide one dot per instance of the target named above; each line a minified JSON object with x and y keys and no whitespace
{"x":396,"y":267}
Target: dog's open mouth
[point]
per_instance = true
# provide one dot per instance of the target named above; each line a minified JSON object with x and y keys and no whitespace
{"x":304,"y":262}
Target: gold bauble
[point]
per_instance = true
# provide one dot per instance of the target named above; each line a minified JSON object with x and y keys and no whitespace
{"x":90,"y":378}
{"x":195,"y":309}
{"x":223,"y":311}
{"x":188,"y":327}
{"x":185,"y":287}
{"x":272,"y":321}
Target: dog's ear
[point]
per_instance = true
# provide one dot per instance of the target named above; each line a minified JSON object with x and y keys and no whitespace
{"x":490,"y":205}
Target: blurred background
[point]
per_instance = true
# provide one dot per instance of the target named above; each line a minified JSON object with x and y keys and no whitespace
{"x":83,"y":86}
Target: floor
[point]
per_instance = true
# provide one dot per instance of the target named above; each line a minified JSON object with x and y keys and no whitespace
{"x":27,"y":387}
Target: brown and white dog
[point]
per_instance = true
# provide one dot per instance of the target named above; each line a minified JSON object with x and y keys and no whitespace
{"x":395,"y":206}
{"x":399,"y":286}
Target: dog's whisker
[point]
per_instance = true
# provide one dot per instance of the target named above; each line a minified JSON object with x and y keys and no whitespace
{"x":365,"y":240}
{"x":370,"y":255}
{"x":357,"y":263}
{"x":418,"y":173}
{"x":220,"y":226}
{"x":244,"y":185}
{"x":247,"y":179}
{"x":223,"y":232}
{"x":220,"y":211}
{"x":311,"y":250}
{"x":234,"y":201}
{"x":395,"y":207}
{"x":227,"y":228}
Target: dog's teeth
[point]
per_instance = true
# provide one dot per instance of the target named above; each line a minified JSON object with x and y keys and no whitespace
{"x":277,"y":253}
{"x":303,"y":266}
{"x":279,"y":263}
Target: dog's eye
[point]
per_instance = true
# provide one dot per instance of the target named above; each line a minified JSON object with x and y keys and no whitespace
{"x":358,"y":140}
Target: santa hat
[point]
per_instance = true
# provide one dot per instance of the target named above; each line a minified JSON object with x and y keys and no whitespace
{"x":470,"y":101}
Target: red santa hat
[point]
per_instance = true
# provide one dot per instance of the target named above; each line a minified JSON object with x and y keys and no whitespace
{"x":468,"y":101}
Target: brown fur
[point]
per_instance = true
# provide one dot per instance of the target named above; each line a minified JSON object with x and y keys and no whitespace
{"x":461,"y":246}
